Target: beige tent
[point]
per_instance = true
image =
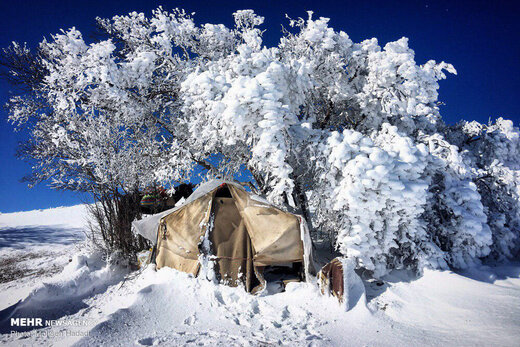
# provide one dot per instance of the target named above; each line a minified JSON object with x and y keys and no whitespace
{"x":237,"y":235}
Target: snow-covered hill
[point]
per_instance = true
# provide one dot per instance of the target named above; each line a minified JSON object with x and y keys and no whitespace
{"x":165,"y":307}
{"x":34,"y":245}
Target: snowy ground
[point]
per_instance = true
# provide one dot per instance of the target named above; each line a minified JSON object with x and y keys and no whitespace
{"x":148,"y":307}
{"x":35,"y":245}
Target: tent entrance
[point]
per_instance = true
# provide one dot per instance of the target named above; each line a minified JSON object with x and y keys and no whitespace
{"x":231,"y":244}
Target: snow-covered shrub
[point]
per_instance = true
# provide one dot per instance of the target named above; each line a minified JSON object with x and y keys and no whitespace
{"x":493,"y":151}
{"x":379,"y":193}
{"x":455,"y":215}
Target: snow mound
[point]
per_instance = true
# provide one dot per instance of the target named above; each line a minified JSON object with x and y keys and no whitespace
{"x":174,"y":308}
{"x":354,"y":289}
{"x":84,"y":277}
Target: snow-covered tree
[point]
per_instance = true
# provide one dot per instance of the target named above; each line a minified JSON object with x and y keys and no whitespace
{"x":455,"y":215}
{"x":350,"y":134}
{"x":492,"y":152}
{"x":379,"y":192}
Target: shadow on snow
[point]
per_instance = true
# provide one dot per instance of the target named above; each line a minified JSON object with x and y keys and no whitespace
{"x":20,"y":237}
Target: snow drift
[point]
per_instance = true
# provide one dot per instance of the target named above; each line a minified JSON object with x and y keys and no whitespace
{"x":85,"y":276}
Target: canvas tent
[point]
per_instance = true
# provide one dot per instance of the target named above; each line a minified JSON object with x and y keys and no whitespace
{"x":240,"y":234}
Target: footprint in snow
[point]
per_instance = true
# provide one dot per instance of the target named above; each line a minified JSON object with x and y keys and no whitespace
{"x":220,"y":299}
{"x":190,"y":320}
{"x":276,"y":324}
{"x":147,"y":341}
{"x":255,"y":309}
{"x":285,"y":313}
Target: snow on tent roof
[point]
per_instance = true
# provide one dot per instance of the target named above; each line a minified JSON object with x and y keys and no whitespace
{"x":147,"y":227}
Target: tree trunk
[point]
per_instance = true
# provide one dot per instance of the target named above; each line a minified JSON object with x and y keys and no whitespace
{"x":113,"y":215}
{"x":300,"y":199}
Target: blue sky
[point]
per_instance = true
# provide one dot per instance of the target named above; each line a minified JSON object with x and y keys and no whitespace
{"x":480,"y":38}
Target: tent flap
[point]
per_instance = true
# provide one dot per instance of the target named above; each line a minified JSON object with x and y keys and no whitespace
{"x":275,"y":234}
{"x":180,"y":232}
{"x":231,"y":245}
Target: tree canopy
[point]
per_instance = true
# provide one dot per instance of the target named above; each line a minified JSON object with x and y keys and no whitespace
{"x":350,"y":134}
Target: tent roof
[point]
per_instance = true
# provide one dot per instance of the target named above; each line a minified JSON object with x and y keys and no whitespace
{"x":147,"y":227}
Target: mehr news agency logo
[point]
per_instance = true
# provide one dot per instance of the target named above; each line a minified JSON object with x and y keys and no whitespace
{"x":40,"y":323}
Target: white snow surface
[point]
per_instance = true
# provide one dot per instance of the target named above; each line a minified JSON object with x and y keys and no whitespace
{"x":479,"y":307}
{"x":61,"y":225}
{"x":38,"y":243}
{"x":70,"y":216}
